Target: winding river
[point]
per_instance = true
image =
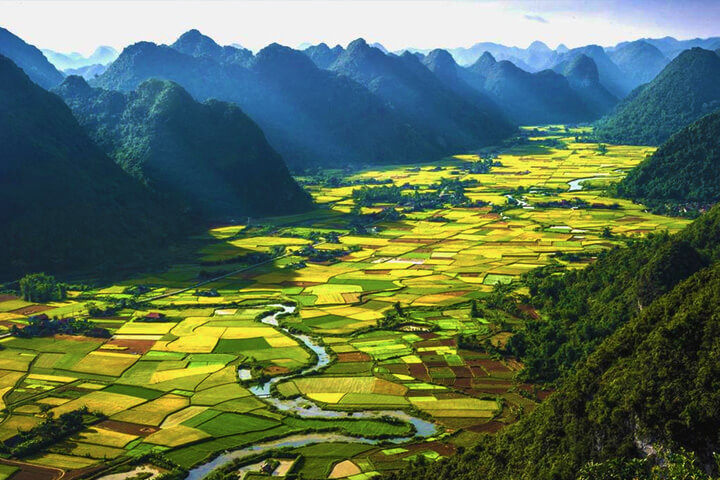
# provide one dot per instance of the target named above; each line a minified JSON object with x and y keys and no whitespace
{"x":303,"y":407}
{"x":576,"y":185}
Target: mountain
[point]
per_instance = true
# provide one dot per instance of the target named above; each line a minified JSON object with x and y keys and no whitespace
{"x":310,"y":115}
{"x":583,"y":76}
{"x":684,"y":91}
{"x":30,"y":59}
{"x":405,"y":84}
{"x":535,"y":58}
{"x":443,"y":65}
{"x":103,"y":55}
{"x":611,"y":77}
{"x":639,"y":61}
{"x":322,"y":55}
{"x":66,"y":205}
{"x":210,"y":157}
{"x":671,"y":47}
{"x":644,"y":395}
{"x":197,"y":45}
{"x":685,"y":169}
{"x":88,"y":72}
{"x":527,"y":98}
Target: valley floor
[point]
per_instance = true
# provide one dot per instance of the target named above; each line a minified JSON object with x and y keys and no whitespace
{"x":387,"y":299}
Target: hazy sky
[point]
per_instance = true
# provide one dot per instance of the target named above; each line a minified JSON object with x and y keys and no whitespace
{"x":80,"y":25}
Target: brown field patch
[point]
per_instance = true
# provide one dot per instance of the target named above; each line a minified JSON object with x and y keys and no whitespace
{"x":478,"y":372}
{"x":463,"y":383}
{"x":353,"y":357}
{"x":5,"y":297}
{"x":127,"y":427}
{"x":494,"y":366}
{"x":376,"y":272}
{"x":276,"y":370}
{"x":32,"y":310}
{"x":418,"y":370}
{"x":137,"y":347}
{"x":490,"y":427}
{"x":461,"y":372}
{"x":351,"y":297}
{"x":529,"y":311}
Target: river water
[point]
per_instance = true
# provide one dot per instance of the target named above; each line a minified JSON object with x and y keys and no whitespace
{"x":305,"y":408}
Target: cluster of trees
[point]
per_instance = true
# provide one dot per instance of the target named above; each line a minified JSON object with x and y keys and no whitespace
{"x":325,"y":255}
{"x":446,"y":192}
{"x":49,"y":432}
{"x":42,"y":326}
{"x":577,"y":203}
{"x":481,"y":166}
{"x":41,"y":287}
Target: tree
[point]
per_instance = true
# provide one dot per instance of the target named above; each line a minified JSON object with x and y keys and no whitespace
{"x":41,"y":287}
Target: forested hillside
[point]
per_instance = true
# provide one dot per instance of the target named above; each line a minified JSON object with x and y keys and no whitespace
{"x":207,"y":157}
{"x":651,"y":386}
{"x":684,"y":170}
{"x":66,"y":205}
{"x":29,"y":59}
{"x":684,"y":91}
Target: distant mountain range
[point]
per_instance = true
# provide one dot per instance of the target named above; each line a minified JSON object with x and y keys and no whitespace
{"x":88,"y":72}
{"x":528,"y":98}
{"x":311,"y":115}
{"x":685,"y":90}
{"x":208,"y":157}
{"x":102,"y":55}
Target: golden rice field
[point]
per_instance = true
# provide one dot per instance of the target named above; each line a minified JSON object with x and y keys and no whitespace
{"x":171,"y":386}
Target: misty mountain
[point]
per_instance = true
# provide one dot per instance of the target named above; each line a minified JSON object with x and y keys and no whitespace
{"x":611,"y":77}
{"x":407,"y":85}
{"x":197,"y":45}
{"x":30,"y":59}
{"x":538,"y":56}
{"x":684,"y":91}
{"x":209,"y":157}
{"x":584,"y":79}
{"x":88,"y":72}
{"x":103,"y":55}
{"x":639,"y":61}
{"x":66,"y":205}
{"x":311,"y":116}
{"x":322,"y":55}
{"x":527,"y":98}
{"x":671,"y":47}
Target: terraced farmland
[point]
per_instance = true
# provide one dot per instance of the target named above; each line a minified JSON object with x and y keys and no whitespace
{"x":387,"y":290}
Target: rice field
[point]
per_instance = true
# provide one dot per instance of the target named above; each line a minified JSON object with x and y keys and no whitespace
{"x":169,"y":385}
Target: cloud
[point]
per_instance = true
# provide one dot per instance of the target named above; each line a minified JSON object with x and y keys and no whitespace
{"x":536,"y":18}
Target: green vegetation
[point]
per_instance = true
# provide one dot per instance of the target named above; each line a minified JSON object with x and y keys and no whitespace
{"x":109,"y":217}
{"x":683,"y":174}
{"x":210,"y":157}
{"x":683,"y":92}
{"x":40,"y":287}
{"x":49,"y":432}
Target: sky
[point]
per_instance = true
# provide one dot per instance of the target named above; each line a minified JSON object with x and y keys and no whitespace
{"x":81,"y":25}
